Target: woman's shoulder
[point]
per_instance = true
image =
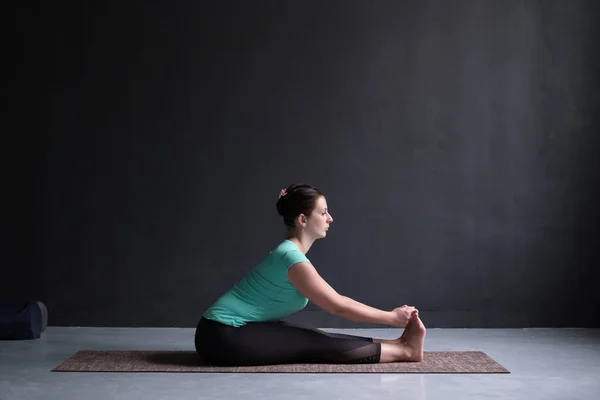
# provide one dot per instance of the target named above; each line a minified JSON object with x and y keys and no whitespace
{"x":288,"y":251}
{"x":281,"y":249}
{"x":285,"y":247}
{"x":284,"y":254}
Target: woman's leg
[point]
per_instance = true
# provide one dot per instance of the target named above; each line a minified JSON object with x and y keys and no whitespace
{"x":408,"y":347}
{"x":275,"y":343}
{"x":264,"y":343}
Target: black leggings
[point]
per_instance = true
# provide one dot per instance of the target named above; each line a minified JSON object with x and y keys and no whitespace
{"x":267,"y":343}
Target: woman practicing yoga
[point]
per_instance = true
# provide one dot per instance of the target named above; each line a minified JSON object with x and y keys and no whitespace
{"x":244,"y":327}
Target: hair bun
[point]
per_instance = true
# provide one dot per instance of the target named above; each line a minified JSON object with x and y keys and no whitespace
{"x":279,"y":205}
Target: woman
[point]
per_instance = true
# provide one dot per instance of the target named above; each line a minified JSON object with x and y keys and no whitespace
{"x":244,"y":327}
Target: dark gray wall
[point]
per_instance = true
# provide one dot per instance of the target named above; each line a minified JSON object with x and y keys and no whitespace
{"x":455,"y":140}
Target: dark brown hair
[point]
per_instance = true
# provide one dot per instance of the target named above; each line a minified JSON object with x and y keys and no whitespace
{"x":297,"y":199}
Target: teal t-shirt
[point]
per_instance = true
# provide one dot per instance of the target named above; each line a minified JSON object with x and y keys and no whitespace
{"x":265,"y":293}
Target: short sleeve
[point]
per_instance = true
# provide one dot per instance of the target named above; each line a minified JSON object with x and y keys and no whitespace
{"x":293,"y":257}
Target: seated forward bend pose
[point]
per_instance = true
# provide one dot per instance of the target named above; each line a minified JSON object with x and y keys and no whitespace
{"x":244,"y":327}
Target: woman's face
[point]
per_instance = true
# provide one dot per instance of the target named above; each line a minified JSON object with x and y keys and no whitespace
{"x":320,"y":219}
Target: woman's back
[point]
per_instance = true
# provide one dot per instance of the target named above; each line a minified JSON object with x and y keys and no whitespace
{"x":265,"y":293}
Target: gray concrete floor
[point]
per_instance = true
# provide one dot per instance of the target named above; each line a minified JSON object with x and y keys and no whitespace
{"x":544,"y":364}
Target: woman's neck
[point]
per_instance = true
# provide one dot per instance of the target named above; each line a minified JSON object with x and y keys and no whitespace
{"x":302,"y":242}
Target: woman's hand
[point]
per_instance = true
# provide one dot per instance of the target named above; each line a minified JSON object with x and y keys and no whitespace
{"x":403,"y":314}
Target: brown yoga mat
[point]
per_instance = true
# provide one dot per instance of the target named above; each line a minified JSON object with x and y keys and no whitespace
{"x":452,"y":362}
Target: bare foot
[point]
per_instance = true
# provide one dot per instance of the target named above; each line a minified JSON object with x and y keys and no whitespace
{"x":414,"y":337}
{"x":402,"y":338}
{"x":408,"y":347}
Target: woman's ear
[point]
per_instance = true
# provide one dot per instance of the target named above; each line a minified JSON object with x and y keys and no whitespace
{"x":302,"y":220}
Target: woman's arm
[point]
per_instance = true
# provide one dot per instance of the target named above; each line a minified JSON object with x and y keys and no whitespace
{"x":307,"y":281}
